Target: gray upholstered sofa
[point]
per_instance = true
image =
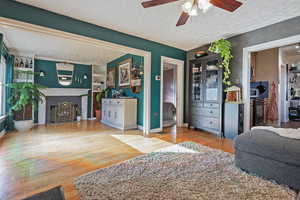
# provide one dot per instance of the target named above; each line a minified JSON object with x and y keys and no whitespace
{"x":269,"y":155}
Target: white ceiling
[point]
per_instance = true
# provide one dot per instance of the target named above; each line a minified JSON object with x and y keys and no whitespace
{"x":291,"y":50}
{"x":57,"y":48}
{"x":158,"y":23}
{"x":291,"y":54}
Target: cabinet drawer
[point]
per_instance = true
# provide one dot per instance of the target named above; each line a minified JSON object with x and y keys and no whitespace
{"x":211,"y":123}
{"x":211,"y":105}
{"x":196,"y":110}
{"x":207,"y":112}
{"x":196,"y":122}
{"x":210,"y":112}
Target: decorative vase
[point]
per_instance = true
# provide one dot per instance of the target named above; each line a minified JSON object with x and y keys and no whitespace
{"x":23,"y":126}
{"x":98,"y":115}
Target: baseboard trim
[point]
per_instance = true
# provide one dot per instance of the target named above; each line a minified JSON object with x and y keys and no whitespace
{"x":2,"y":133}
{"x":185,"y":125}
{"x":156,"y":130}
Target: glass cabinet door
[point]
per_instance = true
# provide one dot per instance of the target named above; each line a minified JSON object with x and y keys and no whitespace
{"x":197,"y":87}
{"x":212,"y":81}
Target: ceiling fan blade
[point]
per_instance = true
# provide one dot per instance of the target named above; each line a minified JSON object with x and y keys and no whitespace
{"x":152,"y":3}
{"x":183,"y":19}
{"x":229,"y":5}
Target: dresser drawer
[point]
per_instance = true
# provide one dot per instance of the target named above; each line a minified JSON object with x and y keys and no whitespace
{"x":211,"y":123}
{"x":211,"y":105}
{"x":210,"y":112}
{"x":196,"y":123}
{"x":196,"y":110}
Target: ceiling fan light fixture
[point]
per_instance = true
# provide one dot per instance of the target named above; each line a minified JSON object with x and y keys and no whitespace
{"x":194,"y":11}
{"x":191,"y":8}
{"x":204,"y":5}
{"x":187,"y":6}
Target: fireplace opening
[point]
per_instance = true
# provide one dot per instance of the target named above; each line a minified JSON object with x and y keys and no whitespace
{"x":62,"y":109}
{"x":64,"y":112}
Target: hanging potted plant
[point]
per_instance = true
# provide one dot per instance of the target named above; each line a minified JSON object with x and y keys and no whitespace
{"x":25,"y":96}
{"x":99,"y":96}
{"x":224,"y":48}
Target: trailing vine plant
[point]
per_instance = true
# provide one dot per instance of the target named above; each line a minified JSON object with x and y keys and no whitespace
{"x":223,"y":47}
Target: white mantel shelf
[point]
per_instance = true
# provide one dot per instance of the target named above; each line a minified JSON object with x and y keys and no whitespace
{"x":64,"y":91}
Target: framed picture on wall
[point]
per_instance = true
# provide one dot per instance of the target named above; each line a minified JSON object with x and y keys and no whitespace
{"x":110,"y":80}
{"x":125,"y":73}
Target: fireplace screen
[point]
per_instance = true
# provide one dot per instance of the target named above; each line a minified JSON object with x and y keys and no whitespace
{"x":64,"y":112}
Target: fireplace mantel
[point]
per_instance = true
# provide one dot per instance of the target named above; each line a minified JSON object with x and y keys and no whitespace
{"x":62,"y":92}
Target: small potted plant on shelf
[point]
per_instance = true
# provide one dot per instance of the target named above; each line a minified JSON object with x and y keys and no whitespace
{"x":99,"y":96}
{"x":25,"y":97}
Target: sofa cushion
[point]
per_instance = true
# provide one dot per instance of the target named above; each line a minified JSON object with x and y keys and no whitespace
{"x":270,"y":145}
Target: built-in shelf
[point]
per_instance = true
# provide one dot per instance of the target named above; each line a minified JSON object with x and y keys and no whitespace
{"x":99,"y":75}
{"x":23,"y":72}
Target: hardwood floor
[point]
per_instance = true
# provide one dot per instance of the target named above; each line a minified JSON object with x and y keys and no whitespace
{"x":53,"y":155}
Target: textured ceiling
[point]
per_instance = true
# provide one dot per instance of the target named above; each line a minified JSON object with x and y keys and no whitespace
{"x":48,"y":46}
{"x":158,"y":24}
{"x":291,"y":50}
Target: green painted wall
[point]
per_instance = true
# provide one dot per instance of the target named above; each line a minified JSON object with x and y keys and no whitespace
{"x":50,"y":79}
{"x":2,"y":125}
{"x":9,"y":78}
{"x":33,"y":15}
{"x":137,"y":61}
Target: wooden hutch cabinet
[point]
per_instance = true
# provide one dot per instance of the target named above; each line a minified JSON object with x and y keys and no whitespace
{"x":206,"y":94}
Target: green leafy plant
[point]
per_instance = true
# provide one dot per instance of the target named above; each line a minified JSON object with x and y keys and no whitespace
{"x":23,"y":94}
{"x":100,"y":95}
{"x":223,"y":47}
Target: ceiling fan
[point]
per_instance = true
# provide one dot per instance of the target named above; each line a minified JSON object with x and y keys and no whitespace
{"x":191,"y":7}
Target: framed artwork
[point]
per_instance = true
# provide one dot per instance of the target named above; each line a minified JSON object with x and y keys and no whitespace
{"x":110,"y":80}
{"x":125,"y":73}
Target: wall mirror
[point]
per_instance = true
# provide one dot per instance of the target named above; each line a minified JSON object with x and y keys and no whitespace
{"x":65,"y":73}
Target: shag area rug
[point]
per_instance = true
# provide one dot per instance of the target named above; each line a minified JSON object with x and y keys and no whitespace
{"x":202,"y":173}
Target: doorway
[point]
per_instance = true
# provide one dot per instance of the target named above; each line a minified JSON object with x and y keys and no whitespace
{"x":146,"y":55}
{"x":172,"y":77}
{"x":247,"y":74}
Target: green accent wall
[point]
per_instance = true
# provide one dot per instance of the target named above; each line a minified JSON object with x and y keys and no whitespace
{"x":8,"y":123}
{"x":2,"y":125}
{"x":33,"y":15}
{"x":137,"y":61}
{"x":50,"y":79}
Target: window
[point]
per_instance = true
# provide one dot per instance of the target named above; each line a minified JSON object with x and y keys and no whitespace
{"x":2,"y":86}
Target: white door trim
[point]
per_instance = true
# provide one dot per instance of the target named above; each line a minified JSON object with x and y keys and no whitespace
{"x":179,"y":89}
{"x":246,"y":70}
{"x":97,"y":42}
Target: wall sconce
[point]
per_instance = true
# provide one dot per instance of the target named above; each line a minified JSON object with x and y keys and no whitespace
{"x":42,"y":74}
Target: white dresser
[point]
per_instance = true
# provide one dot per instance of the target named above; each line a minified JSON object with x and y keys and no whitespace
{"x":120,"y":113}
